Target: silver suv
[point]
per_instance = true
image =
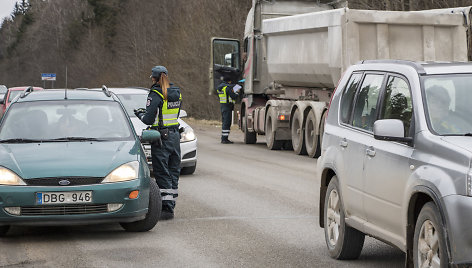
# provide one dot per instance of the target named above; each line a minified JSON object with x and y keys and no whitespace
{"x":396,"y":162}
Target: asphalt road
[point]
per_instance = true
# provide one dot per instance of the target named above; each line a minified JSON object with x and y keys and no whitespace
{"x":244,"y":206}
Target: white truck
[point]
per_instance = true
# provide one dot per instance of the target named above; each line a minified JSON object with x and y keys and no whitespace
{"x":294,"y":53}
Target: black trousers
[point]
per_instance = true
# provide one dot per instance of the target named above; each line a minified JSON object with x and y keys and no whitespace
{"x":166,"y":168}
{"x":226,"y":114}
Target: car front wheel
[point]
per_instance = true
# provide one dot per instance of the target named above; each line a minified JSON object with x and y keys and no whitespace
{"x":153,"y":214}
{"x":188,"y":170}
{"x":344,"y":242}
{"x":4,"y":229}
{"x":429,"y":247}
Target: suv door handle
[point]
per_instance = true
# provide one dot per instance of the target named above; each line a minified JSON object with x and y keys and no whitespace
{"x":370,"y":151}
{"x":343,"y":143}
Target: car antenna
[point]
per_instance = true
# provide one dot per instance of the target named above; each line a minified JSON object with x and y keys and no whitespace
{"x":26,"y":92}
{"x":106,"y":91}
{"x":65,"y":94}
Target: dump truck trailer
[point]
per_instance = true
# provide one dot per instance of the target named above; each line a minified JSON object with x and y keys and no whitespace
{"x":294,"y":53}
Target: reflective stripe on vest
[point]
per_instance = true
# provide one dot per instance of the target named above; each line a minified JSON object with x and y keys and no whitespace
{"x":224,"y":98}
{"x":170,"y":112}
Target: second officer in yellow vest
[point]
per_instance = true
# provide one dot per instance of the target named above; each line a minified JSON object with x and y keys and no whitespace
{"x":162,"y":111}
{"x":227,"y":97}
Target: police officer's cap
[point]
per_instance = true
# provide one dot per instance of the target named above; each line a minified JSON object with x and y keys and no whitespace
{"x":157,"y":70}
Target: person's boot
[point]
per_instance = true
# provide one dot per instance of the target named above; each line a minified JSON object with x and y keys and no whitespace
{"x":225,"y":140}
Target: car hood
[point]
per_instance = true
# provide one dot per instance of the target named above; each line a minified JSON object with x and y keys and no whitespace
{"x":463,"y":142}
{"x":62,"y":159}
{"x":139,"y":125}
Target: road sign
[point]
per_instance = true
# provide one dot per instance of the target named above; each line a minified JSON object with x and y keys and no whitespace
{"x":48,"y":77}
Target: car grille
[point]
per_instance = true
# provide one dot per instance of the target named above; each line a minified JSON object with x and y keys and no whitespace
{"x":55,"y":181}
{"x":64,"y":210}
{"x":190,"y":155}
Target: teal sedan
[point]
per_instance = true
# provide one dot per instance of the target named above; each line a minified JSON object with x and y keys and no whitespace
{"x":73,"y":157}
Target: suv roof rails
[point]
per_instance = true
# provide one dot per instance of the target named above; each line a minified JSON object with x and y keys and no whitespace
{"x":26,"y":92}
{"x":106,"y":91}
{"x":417,"y":66}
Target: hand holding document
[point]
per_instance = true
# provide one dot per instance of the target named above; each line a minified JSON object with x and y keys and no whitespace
{"x":236,"y":88}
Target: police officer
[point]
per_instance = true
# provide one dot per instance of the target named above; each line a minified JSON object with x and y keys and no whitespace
{"x":162,"y":111}
{"x":227,"y":96}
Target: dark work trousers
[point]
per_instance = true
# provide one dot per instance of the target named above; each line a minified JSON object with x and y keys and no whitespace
{"x":166,"y":168}
{"x":226,"y":114}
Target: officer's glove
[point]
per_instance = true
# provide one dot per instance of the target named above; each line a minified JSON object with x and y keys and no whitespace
{"x":139,"y":112}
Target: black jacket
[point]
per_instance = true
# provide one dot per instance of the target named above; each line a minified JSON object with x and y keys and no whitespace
{"x":155,"y":101}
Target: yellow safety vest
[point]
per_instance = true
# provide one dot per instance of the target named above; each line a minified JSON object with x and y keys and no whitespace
{"x":224,"y":98}
{"x":170,"y":112}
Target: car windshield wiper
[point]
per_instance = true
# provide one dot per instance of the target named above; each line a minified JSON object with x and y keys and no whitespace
{"x":468,"y":134}
{"x":20,"y":141}
{"x":76,"y":139}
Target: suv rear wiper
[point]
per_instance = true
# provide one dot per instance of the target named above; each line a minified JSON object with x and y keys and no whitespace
{"x":76,"y":139}
{"x":20,"y":141}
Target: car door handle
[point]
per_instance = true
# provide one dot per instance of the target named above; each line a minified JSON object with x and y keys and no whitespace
{"x":370,"y":151}
{"x":343,"y":143}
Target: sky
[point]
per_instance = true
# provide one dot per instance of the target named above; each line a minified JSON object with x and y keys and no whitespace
{"x":6,"y":7}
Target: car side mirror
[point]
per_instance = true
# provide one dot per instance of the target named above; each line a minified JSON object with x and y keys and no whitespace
{"x":390,"y":130}
{"x":183,"y":114}
{"x":150,"y":136}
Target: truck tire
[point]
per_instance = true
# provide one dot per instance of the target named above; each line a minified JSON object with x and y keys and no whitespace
{"x":322,"y":128}
{"x":153,"y":214}
{"x":429,"y":244}
{"x":298,"y":133}
{"x":272,"y":143}
{"x":249,"y":137}
{"x":344,"y":242}
{"x":312,"y":141}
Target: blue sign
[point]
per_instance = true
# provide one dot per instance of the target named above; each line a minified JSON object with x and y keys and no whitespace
{"x":48,"y":77}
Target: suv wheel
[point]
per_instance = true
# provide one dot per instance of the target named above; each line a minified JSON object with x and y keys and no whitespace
{"x":344,"y":242}
{"x":429,"y":247}
{"x":153,"y":214}
{"x":4,"y":229}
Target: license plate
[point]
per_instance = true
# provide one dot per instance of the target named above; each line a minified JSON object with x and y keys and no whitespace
{"x":46,"y":198}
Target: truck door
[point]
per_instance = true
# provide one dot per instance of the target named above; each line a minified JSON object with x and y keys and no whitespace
{"x":225,"y":58}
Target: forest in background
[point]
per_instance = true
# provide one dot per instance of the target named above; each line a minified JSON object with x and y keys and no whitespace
{"x":116,"y":42}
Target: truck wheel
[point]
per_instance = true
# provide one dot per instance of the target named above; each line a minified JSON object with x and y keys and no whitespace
{"x":312,"y":141}
{"x":322,"y":126}
{"x":153,"y":214}
{"x":298,"y":141}
{"x":272,"y":143}
{"x":249,"y":137}
{"x":429,"y":246}
{"x":4,"y":229}
{"x":344,"y":242}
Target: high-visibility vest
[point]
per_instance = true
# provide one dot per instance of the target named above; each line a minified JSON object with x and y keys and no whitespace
{"x":224,"y":97}
{"x":169,"y":112}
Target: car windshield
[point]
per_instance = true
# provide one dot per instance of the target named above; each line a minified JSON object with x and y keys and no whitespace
{"x":64,"y":121}
{"x":133,"y":101}
{"x":448,"y":99}
{"x":13,"y":94}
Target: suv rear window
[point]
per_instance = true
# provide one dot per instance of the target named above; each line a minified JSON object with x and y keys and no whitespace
{"x":348,"y":97}
{"x":366,"y":102}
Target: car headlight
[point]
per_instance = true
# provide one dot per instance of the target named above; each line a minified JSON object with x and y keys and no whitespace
{"x":8,"y":177}
{"x":187,"y":135}
{"x":125,"y":172}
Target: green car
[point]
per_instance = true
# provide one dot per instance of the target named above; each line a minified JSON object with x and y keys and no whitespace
{"x":73,"y":157}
